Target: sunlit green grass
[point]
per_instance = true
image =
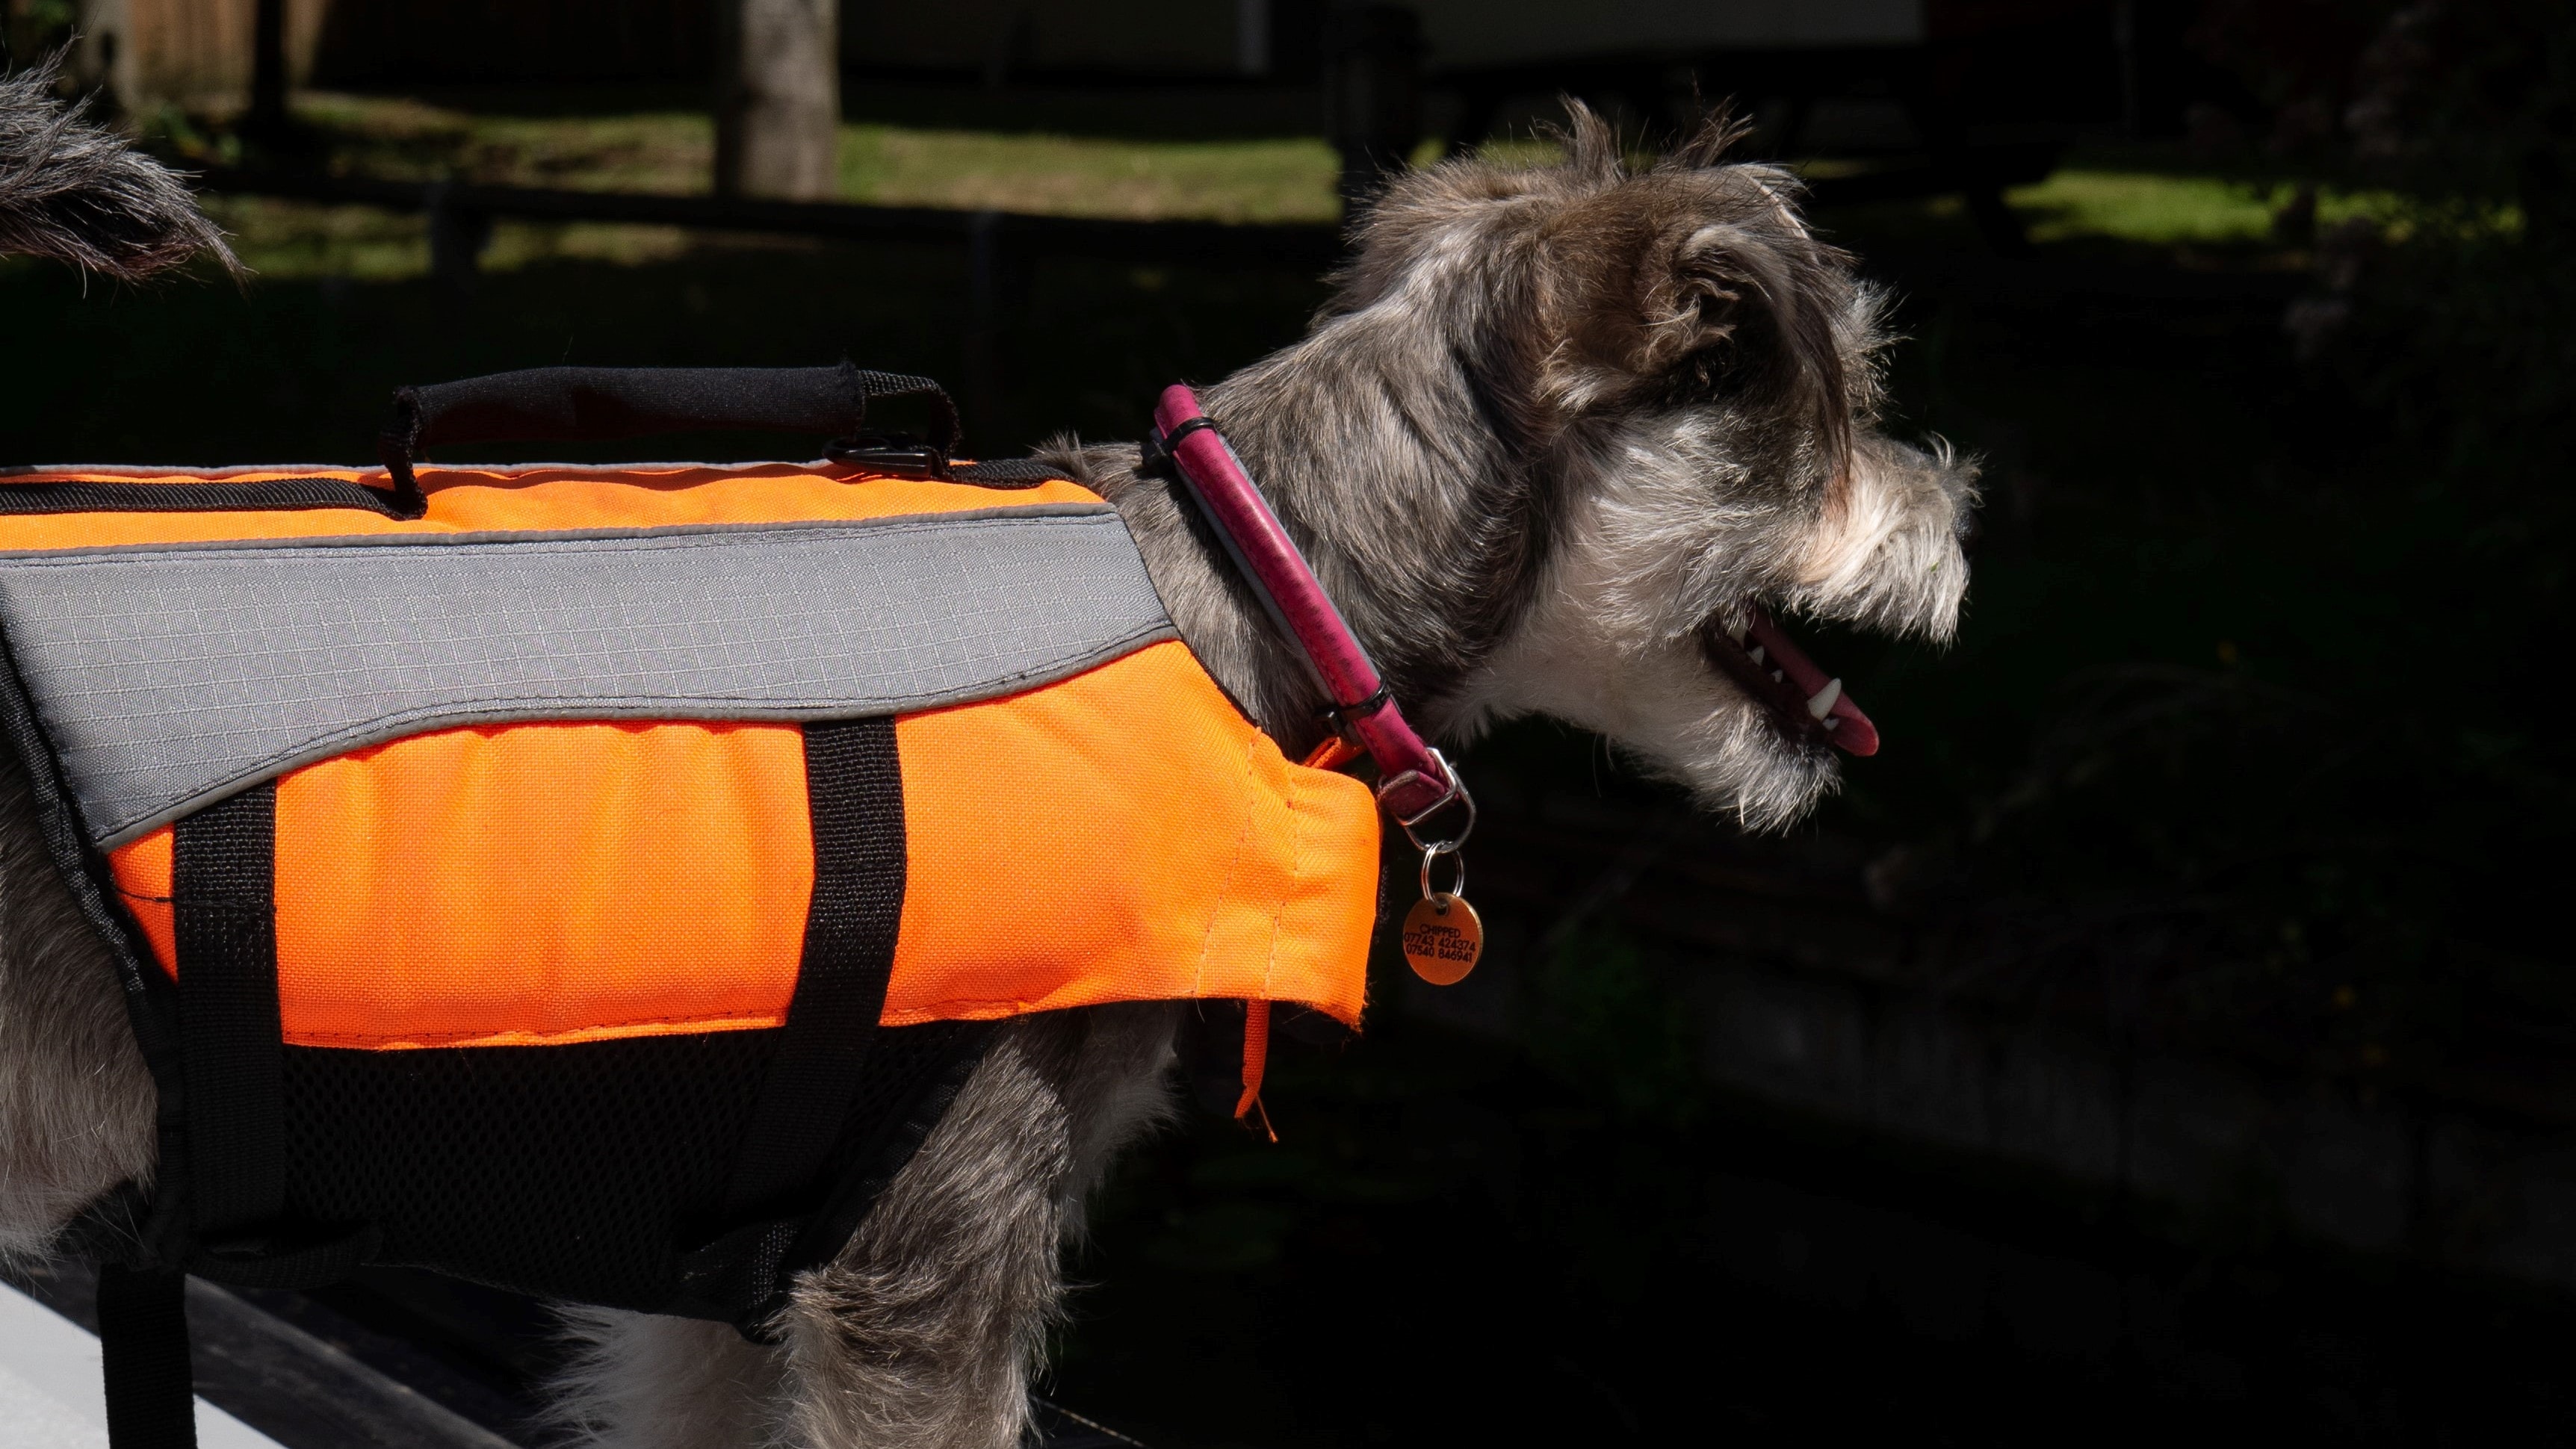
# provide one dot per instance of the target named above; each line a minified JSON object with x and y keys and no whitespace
{"x":1258,"y":180}
{"x":1241,"y":181}
{"x":2148,"y":197}
{"x":2132,"y":198}
{"x":2167,"y":209}
{"x":294,"y":239}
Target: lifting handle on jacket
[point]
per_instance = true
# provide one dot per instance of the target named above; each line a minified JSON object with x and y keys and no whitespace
{"x":602,"y":404}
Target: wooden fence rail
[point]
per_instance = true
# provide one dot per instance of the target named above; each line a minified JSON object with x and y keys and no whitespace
{"x":1002,"y":245}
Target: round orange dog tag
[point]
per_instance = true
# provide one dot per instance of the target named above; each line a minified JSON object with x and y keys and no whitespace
{"x":1442,"y":939}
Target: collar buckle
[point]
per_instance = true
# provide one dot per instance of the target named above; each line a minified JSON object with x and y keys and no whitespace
{"x":1453,"y":791}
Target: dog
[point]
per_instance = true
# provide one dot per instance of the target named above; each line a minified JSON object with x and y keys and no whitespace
{"x":1559,"y":434}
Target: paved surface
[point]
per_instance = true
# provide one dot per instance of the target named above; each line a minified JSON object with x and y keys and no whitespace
{"x":49,"y":1386}
{"x":271,"y":1384}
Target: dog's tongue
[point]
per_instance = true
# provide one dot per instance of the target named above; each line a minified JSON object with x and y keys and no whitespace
{"x":1844,"y":723}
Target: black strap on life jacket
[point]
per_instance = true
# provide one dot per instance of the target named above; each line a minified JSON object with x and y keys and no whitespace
{"x":784,"y":1194}
{"x":223,"y":906}
{"x":854,"y":796}
{"x":143,"y":1354}
{"x":223,"y":892}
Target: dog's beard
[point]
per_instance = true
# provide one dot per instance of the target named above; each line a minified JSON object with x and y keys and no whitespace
{"x":1678,"y":564}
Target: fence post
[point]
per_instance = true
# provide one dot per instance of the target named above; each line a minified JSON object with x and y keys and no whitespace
{"x":457,"y":236}
{"x":984,"y":306}
{"x":1372,"y":95}
{"x":267,"y":118}
{"x":778,"y":99}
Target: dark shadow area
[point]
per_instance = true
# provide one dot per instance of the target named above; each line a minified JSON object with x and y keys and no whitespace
{"x":1450,"y":1246}
{"x":1184,"y":111}
{"x":302,"y":369}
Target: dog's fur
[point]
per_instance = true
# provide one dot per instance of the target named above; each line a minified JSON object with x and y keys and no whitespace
{"x":73,"y":190}
{"x":1556,"y":425}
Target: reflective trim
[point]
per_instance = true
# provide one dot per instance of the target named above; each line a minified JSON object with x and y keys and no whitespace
{"x":170,"y":676}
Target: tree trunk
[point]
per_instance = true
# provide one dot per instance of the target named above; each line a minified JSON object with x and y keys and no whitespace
{"x":1372,"y":95}
{"x":778,"y":99}
{"x":267,"y":119}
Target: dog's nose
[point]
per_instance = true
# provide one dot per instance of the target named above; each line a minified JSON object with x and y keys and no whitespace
{"x":1968,"y":530}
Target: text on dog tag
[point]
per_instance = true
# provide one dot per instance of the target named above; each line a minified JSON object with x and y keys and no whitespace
{"x":1442,"y":939}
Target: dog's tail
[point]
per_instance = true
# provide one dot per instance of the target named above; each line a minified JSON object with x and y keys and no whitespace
{"x":78,"y":192}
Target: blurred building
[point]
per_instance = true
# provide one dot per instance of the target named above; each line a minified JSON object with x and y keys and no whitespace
{"x":2087,"y":61}
{"x":150,"y":52}
{"x":199,"y":52}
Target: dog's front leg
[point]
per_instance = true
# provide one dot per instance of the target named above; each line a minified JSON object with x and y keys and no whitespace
{"x":922,"y":1333}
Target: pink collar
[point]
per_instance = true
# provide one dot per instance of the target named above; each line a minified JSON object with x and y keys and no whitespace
{"x":1414,"y":781}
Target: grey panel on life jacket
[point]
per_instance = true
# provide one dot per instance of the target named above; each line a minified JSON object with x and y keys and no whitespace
{"x":168,"y":676}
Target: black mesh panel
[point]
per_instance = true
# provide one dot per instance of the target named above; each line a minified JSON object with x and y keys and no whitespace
{"x":564,"y":1171}
{"x":912,"y":1075}
{"x":577,"y":1171}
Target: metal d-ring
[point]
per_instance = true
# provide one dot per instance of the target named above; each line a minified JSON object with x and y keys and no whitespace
{"x":1457,"y":887}
{"x":1456,"y":794}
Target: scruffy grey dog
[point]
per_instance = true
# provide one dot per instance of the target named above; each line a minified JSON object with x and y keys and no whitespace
{"x":1558,"y":431}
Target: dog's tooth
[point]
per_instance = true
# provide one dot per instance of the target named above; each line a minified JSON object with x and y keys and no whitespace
{"x":1756,"y":652}
{"x":1736,"y":631}
{"x":1821,"y":703}
{"x":1775,"y":676}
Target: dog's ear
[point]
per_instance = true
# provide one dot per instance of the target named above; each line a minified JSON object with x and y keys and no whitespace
{"x":1727,"y":308}
{"x":1697,"y":292}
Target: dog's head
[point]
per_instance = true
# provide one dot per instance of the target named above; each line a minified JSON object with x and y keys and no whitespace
{"x":1674,"y":388}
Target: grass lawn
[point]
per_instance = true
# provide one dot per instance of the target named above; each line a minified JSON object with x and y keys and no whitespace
{"x":1251,"y":180}
{"x":2134,"y":196}
{"x":2148,"y":197}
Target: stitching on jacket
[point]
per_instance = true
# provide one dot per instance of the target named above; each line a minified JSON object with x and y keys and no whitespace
{"x":1233,"y":863}
{"x":1296,"y":878}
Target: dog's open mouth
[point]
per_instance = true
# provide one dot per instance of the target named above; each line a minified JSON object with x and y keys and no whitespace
{"x":1801,"y":700}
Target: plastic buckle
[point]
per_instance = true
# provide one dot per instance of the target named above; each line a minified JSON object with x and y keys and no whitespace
{"x":896,"y":452}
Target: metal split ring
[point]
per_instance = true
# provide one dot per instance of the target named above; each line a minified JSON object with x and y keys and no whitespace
{"x":1457,"y":887}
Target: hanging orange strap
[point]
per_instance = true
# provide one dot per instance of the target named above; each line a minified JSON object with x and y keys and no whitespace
{"x":1256,"y":1058}
{"x":1332,"y":754}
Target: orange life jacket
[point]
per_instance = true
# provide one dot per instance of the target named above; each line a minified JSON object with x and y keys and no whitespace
{"x":536,"y":813}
